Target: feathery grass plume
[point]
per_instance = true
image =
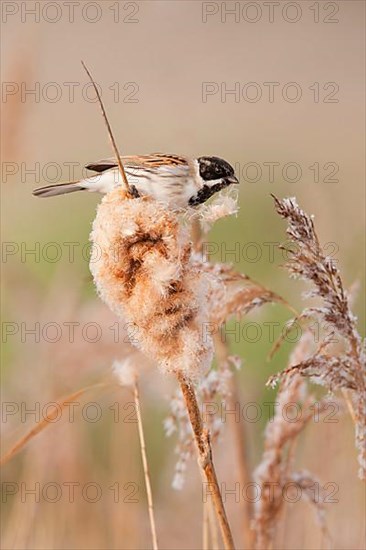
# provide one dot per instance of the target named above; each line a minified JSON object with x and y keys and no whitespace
{"x":343,"y":367}
{"x":234,"y":294}
{"x":274,"y":472}
{"x":143,"y":271}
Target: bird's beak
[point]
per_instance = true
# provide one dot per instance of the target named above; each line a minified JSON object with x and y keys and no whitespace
{"x":232,"y":179}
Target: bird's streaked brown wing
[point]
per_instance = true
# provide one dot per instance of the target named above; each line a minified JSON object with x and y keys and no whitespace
{"x":155,"y":160}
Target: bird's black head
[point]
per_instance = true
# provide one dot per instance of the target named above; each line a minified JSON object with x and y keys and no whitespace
{"x":216,"y":174}
{"x":214,"y":168}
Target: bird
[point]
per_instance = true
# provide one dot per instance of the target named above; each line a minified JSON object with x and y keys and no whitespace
{"x":177,"y":181}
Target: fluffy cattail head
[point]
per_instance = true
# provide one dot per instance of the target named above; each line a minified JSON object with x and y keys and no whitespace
{"x":143,"y":270}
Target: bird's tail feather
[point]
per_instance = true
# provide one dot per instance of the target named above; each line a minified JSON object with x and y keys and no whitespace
{"x":59,"y":189}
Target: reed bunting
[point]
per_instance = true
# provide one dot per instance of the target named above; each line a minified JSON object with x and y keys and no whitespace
{"x":174,"y":180}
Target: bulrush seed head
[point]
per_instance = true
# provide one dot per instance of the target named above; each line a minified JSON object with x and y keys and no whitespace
{"x":144,"y":271}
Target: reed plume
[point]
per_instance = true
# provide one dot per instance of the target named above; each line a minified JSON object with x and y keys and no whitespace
{"x":340,"y":366}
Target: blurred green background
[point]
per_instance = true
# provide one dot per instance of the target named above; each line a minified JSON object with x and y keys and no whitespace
{"x":152,"y":60}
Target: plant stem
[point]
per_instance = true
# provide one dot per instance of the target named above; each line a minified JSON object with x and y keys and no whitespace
{"x":204,"y":449}
{"x":205,"y":526}
{"x":49,"y":418}
{"x":109,"y":129}
{"x":136,"y":396}
{"x":213,"y":525}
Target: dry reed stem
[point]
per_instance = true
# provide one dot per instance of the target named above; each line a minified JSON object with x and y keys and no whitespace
{"x":136,"y":395}
{"x":110,"y":133}
{"x":203,"y":445}
{"x":209,"y":527}
{"x":205,"y":526}
{"x":213,"y":525}
{"x":59,"y":405}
